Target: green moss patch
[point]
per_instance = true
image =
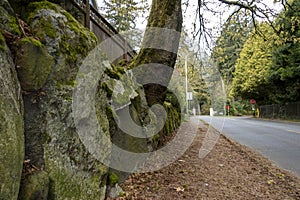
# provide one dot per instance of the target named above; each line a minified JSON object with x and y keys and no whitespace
{"x":46,"y":28}
{"x":30,"y":40}
{"x":2,"y":42}
{"x":115,"y":72}
{"x":112,"y":178}
{"x":9,"y":22}
{"x":172,"y":123}
{"x":84,"y":42}
{"x":33,"y":63}
{"x":35,"y":6}
{"x":79,"y":28}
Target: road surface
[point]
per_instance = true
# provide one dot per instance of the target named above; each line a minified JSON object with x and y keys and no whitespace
{"x":278,"y":141}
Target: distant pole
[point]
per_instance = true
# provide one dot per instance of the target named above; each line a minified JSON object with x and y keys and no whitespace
{"x":223,"y":88}
{"x":87,"y":14}
{"x":186,"y":85}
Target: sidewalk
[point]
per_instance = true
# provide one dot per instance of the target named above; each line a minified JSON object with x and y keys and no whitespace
{"x":229,"y":171}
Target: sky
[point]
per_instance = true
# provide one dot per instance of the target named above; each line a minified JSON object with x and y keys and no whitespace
{"x":189,"y":7}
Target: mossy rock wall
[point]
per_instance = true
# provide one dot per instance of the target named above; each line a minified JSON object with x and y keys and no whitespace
{"x":52,"y":142}
{"x":47,"y":70}
{"x":11,"y":127}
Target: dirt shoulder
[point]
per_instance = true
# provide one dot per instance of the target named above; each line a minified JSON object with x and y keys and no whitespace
{"x":230,"y":171}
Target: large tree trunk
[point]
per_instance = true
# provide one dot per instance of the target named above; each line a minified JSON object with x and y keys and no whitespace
{"x":160,"y":46}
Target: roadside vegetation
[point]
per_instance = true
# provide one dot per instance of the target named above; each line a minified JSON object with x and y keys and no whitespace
{"x":260,"y":61}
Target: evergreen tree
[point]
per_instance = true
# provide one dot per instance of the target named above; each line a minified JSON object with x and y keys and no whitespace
{"x":230,"y":43}
{"x":252,"y":67}
{"x":122,"y":14}
{"x":285,"y":72}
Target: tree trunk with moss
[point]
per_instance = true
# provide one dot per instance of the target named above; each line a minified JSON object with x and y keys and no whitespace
{"x":160,"y":46}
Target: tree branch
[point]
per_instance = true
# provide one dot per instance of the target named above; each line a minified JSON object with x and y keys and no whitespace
{"x":239,"y":4}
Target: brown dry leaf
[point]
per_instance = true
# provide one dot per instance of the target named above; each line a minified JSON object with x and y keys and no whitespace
{"x":179,"y":189}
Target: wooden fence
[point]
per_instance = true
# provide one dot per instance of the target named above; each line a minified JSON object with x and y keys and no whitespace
{"x":101,"y":28}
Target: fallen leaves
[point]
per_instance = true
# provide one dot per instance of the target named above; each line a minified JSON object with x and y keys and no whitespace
{"x":179,"y":189}
{"x":230,"y":171}
{"x":29,"y":168}
{"x":271,"y":181}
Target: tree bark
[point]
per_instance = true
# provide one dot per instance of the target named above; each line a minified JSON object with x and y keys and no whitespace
{"x":160,"y":46}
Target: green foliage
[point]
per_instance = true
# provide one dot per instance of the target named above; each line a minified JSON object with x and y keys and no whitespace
{"x":230,"y":43}
{"x":268,"y":68}
{"x":239,"y":107}
{"x":252,"y":68}
{"x":122,"y":14}
{"x":200,"y":89}
{"x":285,"y":71}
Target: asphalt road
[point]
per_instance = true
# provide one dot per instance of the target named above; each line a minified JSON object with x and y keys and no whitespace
{"x":278,"y":141}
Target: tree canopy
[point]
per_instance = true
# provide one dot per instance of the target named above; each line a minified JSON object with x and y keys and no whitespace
{"x":253,"y":65}
{"x":268,"y":67}
{"x":285,"y":70}
{"x":230,"y":43}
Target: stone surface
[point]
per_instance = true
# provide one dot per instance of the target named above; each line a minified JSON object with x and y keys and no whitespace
{"x":11,"y":127}
{"x":8,"y":21}
{"x":52,"y":141}
{"x":35,"y":187}
{"x":33,"y":64}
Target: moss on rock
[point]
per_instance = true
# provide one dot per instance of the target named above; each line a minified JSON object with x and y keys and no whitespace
{"x":11,"y":128}
{"x":45,"y":28}
{"x":8,"y":20}
{"x":11,"y":150}
{"x":78,"y":28}
{"x":2,"y":42}
{"x":34,"y":64}
{"x":112,"y":178}
{"x":85,"y":39}
{"x":37,"y":6}
{"x":69,"y":182}
{"x":172,"y":123}
{"x":30,"y":40}
{"x":73,"y":170}
{"x":35,"y":186}
{"x":69,"y":45}
{"x":115,"y":72}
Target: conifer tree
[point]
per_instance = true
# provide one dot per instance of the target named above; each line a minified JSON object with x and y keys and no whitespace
{"x":122,"y":14}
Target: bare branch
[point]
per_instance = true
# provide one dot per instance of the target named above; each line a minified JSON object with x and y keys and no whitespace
{"x":239,"y":4}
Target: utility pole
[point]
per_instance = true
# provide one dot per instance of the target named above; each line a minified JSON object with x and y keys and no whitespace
{"x":186,"y":86}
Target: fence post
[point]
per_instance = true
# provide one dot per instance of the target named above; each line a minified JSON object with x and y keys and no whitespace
{"x":87,"y":14}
